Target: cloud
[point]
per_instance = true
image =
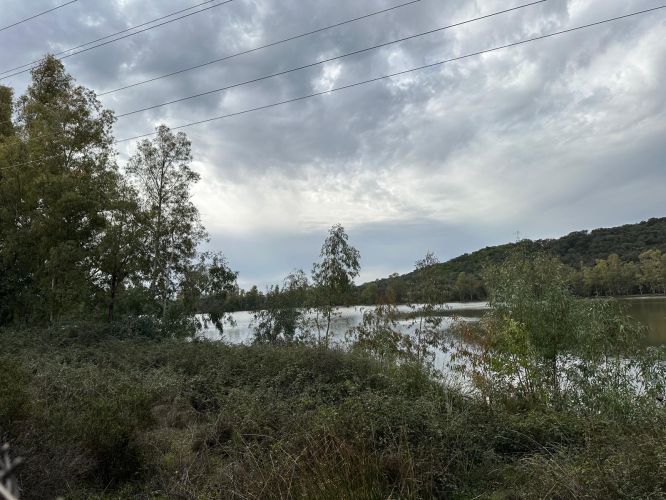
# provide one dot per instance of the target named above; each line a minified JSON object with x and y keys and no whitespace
{"x":557,"y":135}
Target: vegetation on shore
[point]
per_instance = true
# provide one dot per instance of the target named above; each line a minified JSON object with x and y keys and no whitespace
{"x":99,"y":417}
{"x":562,"y":400}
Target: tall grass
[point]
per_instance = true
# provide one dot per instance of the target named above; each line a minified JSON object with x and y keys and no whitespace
{"x":100,"y":417}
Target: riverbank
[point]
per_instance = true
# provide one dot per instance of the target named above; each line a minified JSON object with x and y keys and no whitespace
{"x":99,"y":417}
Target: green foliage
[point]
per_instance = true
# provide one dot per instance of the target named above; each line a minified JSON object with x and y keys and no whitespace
{"x":380,"y":336}
{"x":540,"y":345}
{"x":138,"y":418}
{"x":56,"y":172}
{"x":284,"y":317}
{"x":161,"y":169}
{"x":207,"y":285}
{"x":78,"y":239}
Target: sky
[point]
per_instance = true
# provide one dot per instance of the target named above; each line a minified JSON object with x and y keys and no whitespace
{"x":533,"y":141}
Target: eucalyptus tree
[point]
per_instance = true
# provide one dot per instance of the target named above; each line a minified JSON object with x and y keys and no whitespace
{"x":161,"y":169}
{"x":333,"y":276}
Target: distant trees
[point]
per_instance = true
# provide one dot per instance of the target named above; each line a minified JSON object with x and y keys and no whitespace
{"x":468,"y":287}
{"x":652,"y":275}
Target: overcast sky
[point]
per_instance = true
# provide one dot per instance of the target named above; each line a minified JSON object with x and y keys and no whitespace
{"x":542,"y":139}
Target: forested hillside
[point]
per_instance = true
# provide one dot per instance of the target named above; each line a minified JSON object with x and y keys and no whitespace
{"x":460,"y":278}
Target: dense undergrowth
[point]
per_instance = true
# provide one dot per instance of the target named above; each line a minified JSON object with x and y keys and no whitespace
{"x":95,"y":416}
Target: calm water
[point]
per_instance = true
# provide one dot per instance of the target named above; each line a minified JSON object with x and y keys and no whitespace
{"x":651,"y":311}
{"x":241,"y":332}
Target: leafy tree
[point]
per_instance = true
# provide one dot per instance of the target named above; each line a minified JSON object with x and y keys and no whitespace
{"x":540,"y":344}
{"x":58,"y":170}
{"x":534,"y":314}
{"x":380,"y":335}
{"x":427,"y":326}
{"x":162,"y":172}
{"x":333,"y":275}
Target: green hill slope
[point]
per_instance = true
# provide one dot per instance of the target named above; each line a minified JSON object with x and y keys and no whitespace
{"x":577,"y":249}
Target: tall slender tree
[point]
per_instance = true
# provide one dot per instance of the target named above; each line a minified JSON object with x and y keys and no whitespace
{"x":334,"y":274}
{"x":161,"y":169}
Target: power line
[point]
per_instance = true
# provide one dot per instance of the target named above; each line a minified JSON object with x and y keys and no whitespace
{"x":317,"y":63}
{"x":324,"y":61}
{"x":119,"y":38}
{"x":110,"y":36}
{"x":261,"y":47}
{"x":37,"y":15}
{"x":372,"y":80}
{"x":399,"y":73}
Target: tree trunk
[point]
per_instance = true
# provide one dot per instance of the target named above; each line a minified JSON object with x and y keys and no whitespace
{"x":114,"y":287}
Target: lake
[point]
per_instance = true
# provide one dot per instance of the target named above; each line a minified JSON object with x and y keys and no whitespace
{"x":648,"y":310}
{"x":348,"y":317}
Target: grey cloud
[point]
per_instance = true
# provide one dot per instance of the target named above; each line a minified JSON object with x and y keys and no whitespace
{"x":451,"y":158}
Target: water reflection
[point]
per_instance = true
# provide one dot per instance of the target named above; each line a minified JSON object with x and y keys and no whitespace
{"x":241,"y":332}
{"x":651,"y":311}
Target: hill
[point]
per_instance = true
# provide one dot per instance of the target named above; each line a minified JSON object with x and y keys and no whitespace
{"x":460,"y":276}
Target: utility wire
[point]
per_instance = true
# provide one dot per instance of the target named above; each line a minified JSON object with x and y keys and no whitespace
{"x":37,"y":15}
{"x":317,"y":63}
{"x":324,"y":61}
{"x":261,"y":47}
{"x":109,"y":36}
{"x":119,"y":38}
{"x":399,"y":73}
{"x":295,"y":37}
{"x":372,"y":80}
